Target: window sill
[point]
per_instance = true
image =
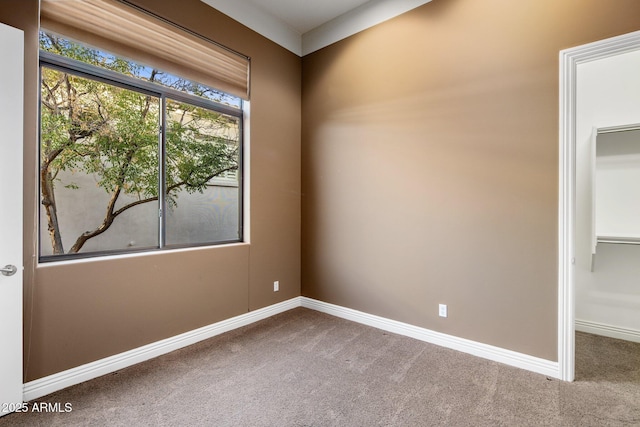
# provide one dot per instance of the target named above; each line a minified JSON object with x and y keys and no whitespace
{"x":138,"y":254}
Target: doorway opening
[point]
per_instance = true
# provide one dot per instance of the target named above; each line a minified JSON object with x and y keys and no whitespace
{"x":576,"y":127}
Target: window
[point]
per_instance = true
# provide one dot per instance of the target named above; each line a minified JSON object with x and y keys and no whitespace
{"x":131,"y":157}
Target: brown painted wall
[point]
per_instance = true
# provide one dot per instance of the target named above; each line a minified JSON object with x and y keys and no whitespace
{"x":79,"y":312}
{"x":430,"y":165}
{"x":429,"y":176}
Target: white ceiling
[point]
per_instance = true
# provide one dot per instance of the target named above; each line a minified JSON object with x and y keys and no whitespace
{"x":304,"y":16}
{"x":304,"y":26}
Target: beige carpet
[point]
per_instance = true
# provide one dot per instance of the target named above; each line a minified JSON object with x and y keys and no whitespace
{"x":304,"y":368}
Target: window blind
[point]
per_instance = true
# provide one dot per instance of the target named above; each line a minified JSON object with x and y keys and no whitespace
{"x":127,"y":31}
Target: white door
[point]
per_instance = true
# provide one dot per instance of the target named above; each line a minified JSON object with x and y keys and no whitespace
{"x":11,"y":112}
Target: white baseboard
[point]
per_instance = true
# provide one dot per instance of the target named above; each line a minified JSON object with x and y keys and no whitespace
{"x":52,"y":383}
{"x":485,"y":351}
{"x":43,"y":386}
{"x":610,"y":331}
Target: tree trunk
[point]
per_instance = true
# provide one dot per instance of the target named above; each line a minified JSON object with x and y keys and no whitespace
{"x":106,"y":223}
{"x":51,"y":210}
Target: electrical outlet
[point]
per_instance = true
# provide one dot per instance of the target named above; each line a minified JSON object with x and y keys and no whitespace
{"x":276,"y":286}
{"x":442,"y":310}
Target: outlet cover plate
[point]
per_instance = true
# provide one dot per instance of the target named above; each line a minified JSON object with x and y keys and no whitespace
{"x":442,"y":310}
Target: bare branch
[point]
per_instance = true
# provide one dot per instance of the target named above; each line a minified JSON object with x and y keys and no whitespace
{"x":169,"y":189}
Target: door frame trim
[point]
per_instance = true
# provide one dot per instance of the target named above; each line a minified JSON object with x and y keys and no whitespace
{"x":569,"y":61}
{"x":12,"y":110}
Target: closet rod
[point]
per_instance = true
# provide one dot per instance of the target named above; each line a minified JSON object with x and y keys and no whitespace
{"x":622,"y":128}
{"x":620,"y":240}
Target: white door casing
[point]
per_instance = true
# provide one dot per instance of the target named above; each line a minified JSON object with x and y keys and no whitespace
{"x":11,"y":129}
{"x":570,"y":59}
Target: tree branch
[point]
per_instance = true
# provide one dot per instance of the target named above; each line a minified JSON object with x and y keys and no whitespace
{"x":170,"y":189}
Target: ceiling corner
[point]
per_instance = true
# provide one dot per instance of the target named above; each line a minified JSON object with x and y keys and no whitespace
{"x":277,"y":30}
{"x":261,"y":22}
